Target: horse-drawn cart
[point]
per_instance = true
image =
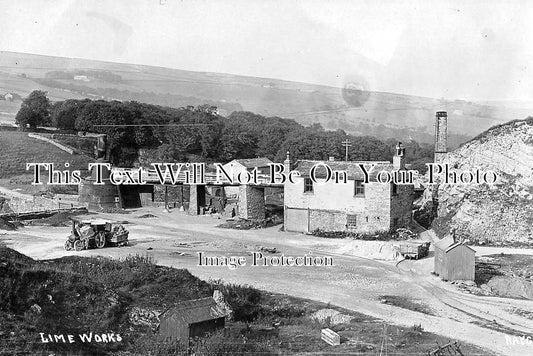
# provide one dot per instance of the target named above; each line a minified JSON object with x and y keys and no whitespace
{"x":89,"y":233}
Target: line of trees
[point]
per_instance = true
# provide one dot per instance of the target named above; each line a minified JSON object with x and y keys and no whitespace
{"x":200,"y":133}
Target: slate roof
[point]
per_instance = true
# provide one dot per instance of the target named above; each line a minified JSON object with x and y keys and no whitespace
{"x":352,"y":167}
{"x":194,"y":311}
{"x":254,"y":162}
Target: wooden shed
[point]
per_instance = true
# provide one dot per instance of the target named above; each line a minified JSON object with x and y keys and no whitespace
{"x":190,"y":319}
{"x":454,"y":260}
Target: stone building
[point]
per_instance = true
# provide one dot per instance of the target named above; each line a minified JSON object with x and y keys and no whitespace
{"x":351,"y":205}
{"x":239,"y":166}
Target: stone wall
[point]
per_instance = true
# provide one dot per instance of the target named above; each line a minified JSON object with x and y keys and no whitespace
{"x":194,"y":209}
{"x":65,"y":148}
{"x":327,"y":220}
{"x":402,"y":205}
{"x":251,"y":202}
{"x":22,"y":205}
{"x":98,"y":197}
{"x":377,"y":213}
{"x":175,"y":196}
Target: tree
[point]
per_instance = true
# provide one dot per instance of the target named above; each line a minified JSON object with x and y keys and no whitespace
{"x":34,"y":111}
{"x":64,"y":113}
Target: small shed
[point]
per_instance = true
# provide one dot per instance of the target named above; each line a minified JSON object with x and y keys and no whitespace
{"x":190,"y":319}
{"x":454,"y":260}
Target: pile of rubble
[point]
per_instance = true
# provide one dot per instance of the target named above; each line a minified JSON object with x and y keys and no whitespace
{"x":247,"y":224}
{"x":144,"y":317}
{"x":331,"y":317}
{"x":399,"y":234}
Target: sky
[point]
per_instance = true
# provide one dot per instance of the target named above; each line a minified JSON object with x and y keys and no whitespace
{"x":471,"y":50}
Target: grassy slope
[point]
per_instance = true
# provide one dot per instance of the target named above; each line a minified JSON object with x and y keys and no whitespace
{"x":306,"y":103}
{"x":17,"y":149}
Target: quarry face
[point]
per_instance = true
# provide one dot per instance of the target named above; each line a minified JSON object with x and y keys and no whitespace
{"x":501,"y":213}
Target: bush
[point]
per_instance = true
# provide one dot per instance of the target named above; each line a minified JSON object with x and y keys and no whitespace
{"x":151,"y":345}
{"x":418,"y":328}
{"x":219,"y":344}
{"x":378,"y":236}
{"x":244,"y":300}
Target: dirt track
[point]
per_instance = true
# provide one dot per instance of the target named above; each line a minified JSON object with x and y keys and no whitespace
{"x":356,"y":283}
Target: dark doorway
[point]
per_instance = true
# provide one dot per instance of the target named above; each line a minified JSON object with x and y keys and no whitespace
{"x":204,"y":327}
{"x":130,"y":195}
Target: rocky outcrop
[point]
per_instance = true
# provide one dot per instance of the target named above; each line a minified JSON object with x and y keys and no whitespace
{"x":500,"y":213}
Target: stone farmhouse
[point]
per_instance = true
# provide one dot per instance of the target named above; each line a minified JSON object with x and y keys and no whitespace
{"x":350,"y":205}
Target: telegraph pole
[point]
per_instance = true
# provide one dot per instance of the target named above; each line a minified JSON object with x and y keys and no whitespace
{"x":346,"y":143}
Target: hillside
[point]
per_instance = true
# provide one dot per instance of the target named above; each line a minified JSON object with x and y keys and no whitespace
{"x":498,"y":214}
{"x":368,"y":113}
{"x":17,"y":149}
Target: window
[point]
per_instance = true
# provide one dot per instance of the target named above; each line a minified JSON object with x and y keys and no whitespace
{"x":308,"y":185}
{"x":394,"y":189}
{"x":351,"y":221}
{"x":359,"y":188}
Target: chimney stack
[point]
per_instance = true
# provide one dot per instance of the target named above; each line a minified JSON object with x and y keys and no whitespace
{"x":287,"y":163}
{"x":441,"y":135}
{"x":398,"y":161}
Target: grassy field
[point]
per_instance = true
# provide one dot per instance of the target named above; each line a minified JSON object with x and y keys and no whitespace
{"x":74,"y":295}
{"x":17,"y":149}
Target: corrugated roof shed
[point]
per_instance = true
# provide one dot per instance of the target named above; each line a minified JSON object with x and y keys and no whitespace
{"x":454,"y":260}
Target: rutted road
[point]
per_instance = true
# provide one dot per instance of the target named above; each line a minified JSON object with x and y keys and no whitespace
{"x":354,"y":283}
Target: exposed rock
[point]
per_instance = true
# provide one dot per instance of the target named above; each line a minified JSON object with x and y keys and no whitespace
{"x":219,"y":299}
{"x":139,"y":316}
{"x":498,"y":214}
{"x":513,"y":287}
{"x":35,"y":308}
{"x":335,"y":317}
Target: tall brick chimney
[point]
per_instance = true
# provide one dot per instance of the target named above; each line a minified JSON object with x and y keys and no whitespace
{"x":441,"y":135}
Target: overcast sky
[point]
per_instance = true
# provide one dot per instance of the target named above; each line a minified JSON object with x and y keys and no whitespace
{"x":477,"y":50}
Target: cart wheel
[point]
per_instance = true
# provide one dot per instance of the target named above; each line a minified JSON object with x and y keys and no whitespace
{"x":69,"y":246}
{"x":99,"y":239}
{"x":79,"y":245}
